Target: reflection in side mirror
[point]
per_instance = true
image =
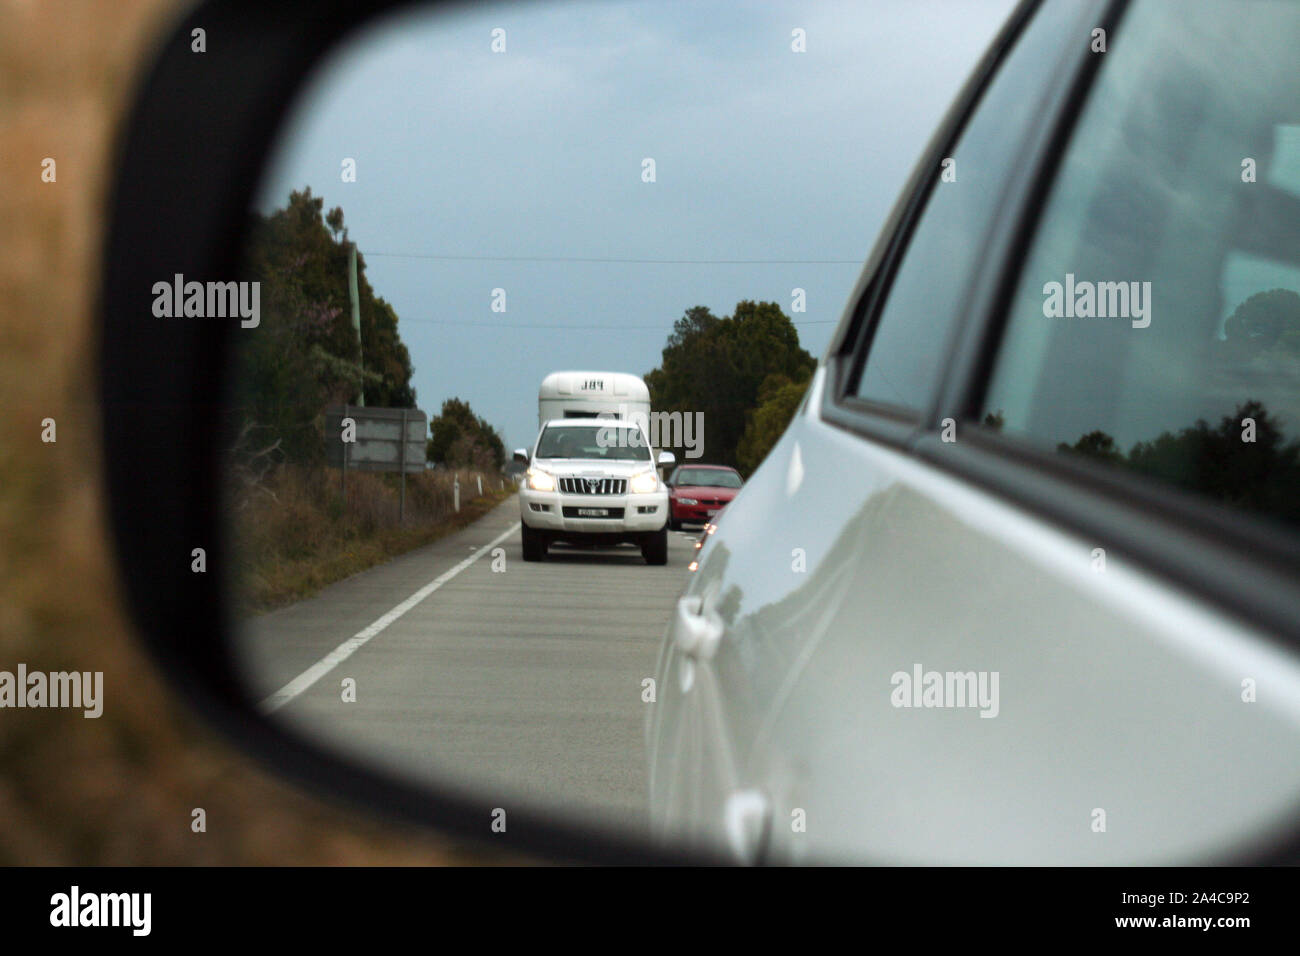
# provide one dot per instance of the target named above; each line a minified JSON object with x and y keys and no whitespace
{"x":522,"y":648}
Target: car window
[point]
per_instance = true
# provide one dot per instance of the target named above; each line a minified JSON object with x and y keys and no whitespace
{"x":924,"y":301}
{"x":710,"y":478}
{"x":1156,"y":324}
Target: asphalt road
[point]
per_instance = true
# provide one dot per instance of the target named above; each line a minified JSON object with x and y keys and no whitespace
{"x":520,"y":685}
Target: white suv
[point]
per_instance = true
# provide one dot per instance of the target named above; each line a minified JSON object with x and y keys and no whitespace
{"x":594,"y":481}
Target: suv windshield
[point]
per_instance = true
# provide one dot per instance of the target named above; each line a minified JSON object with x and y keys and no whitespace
{"x":606,"y":442}
{"x":708,"y":478}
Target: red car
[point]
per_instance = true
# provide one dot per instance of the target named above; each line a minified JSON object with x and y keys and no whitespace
{"x":696,"y":493}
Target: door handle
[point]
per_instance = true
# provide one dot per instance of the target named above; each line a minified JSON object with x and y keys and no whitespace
{"x":698,"y":630}
{"x":747,"y":821}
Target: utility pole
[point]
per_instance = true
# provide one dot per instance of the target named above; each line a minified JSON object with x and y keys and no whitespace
{"x":356,"y":319}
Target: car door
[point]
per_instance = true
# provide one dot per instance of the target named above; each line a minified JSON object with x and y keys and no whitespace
{"x":935,"y":629}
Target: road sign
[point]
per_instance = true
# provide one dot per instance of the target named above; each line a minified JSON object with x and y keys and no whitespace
{"x":378,"y":445}
{"x":384,"y":439}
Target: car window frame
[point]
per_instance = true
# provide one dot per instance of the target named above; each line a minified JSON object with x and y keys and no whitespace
{"x":850,"y":347}
{"x":1230,"y":558}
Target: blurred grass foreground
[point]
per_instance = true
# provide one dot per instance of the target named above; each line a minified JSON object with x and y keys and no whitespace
{"x":121,"y":789}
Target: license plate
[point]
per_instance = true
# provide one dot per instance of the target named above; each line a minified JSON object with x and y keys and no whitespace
{"x":713,"y":511}
{"x":593,"y":512}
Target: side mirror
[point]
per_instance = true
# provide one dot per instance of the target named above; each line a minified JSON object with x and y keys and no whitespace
{"x":667,"y":459}
{"x":521,"y":455}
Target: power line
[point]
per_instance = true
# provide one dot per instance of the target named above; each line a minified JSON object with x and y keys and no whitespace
{"x":539,"y":325}
{"x":614,"y":259}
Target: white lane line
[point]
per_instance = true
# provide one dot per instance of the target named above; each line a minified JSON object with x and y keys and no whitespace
{"x":354,"y":643}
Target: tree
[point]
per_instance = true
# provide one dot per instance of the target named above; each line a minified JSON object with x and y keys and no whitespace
{"x":716,"y":366}
{"x":334,"y":219}
{"x":303,"y":354}
{"x":1259,"y":475}
{"x":778,"y":398}
{"x":1095,"y":444}
{"x":459,"y":439}
{"x":1265,"y":321}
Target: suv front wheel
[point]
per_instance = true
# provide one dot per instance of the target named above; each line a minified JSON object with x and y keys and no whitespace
{"x":534,"y":544}
{"x":654,"y":547}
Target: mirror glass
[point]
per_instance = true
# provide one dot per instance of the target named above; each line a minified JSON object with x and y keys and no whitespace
{"x":520,"y":264}
{"x":464,"y":203}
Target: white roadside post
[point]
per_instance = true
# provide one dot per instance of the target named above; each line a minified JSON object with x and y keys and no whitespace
{"x":480,"y":485}
{"x":455,"y":492}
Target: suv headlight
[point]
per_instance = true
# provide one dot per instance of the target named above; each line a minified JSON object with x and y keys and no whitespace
{"x":540,"y":481}
{"x":645,"y":483}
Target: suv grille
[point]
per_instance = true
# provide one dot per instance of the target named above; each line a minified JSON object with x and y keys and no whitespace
{"x":593,"y":486}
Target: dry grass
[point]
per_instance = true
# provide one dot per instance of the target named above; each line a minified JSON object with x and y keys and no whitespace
{"x":118,"y":790}
{"x":294,"y":535}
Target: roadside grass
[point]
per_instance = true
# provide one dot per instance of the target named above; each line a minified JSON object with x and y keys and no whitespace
{"x":294,"y":535}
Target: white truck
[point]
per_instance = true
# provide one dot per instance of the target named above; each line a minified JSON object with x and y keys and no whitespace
{"x":592,"y":476}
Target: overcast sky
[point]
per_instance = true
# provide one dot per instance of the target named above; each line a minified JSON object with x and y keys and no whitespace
{"x":761,"y":153}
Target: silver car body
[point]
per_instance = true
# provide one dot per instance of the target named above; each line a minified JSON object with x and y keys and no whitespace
{"x":791,"y":718}
{"x":882,"y":660}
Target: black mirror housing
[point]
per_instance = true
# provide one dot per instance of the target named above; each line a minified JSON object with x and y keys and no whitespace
{"x":189,"y":160}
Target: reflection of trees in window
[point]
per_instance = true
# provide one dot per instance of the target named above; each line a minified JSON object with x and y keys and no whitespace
{"x":1096,"y":444}
{"x":1262,"y":475}
{"x":1266,"y":321}
{"x":1246,"y":461}
{"x":1259,"y":357}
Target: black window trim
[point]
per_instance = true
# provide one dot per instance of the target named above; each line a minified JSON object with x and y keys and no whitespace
{"x":1243,"y":563}
{"x":1240,"y":563}
{"x":849,"y":348}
